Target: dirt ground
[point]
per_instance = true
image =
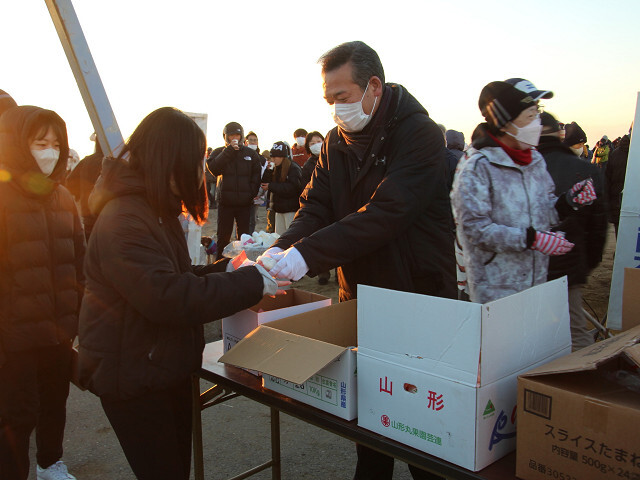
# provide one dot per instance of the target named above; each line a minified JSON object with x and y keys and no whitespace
{"x":237,"y":433}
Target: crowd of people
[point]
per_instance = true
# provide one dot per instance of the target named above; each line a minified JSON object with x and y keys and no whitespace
{"x":388,"y":198}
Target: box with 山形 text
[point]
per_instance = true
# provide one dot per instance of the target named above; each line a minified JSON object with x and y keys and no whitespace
{"x":440,"y":375}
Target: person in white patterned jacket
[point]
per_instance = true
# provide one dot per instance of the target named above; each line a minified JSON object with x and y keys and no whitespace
{"x":503,"y":197}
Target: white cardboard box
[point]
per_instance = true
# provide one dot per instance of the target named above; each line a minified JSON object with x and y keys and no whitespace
{"x":310,"y":357}
{"x":440,"y":375}
{"x":235,"y":327}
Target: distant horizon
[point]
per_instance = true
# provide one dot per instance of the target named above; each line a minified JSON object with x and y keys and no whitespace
{"x":234,"y":65}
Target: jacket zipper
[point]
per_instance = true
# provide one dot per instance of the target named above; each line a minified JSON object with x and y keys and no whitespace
{"x":51,"y":256}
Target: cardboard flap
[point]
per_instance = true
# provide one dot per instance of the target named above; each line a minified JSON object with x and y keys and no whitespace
{"x":282,"y":354}
{"x":334,"y":324}
{"x":633,"y":353}
{"x":590,"y":357}
{"x":524,"y":328}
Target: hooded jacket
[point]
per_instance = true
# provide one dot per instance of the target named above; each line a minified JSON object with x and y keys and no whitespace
{"x":284,"y":195}
{"x":41,"y":241}
{"x":495,"y":201}
{"x":384,"y":222}
{"x":587,"y":227}
{"x":141,"y":321}
{"x":240,"y":170}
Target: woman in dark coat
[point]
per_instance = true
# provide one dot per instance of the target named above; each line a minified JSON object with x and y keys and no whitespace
{"x":41,"y":283}
{"x":141,"y":322}
{"x":284,"y":184}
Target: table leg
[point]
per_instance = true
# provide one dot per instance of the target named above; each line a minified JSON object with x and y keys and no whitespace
{"x":196,"y":416}
{"x":275,"y":444}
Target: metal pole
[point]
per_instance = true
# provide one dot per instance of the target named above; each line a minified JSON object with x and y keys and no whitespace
{"x":86,"y":74}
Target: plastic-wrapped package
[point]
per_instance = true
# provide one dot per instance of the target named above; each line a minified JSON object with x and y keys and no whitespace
{"x":254,"y":245}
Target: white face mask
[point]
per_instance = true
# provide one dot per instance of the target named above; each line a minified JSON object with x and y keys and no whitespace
{"x":315,"y":148}
{"x":529,"y":134}
{"x":47,"y":159}
{"x":350,"y":117}
{"x":300,"y":141}
{"x":253,"y":147}
{"x":578,"y":151}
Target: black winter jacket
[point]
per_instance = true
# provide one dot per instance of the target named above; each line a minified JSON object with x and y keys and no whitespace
{"x":615,"y":175}
{"x":386,"y":223}
{"x":141,"y":321}
{"x":586,"y":227}
{"x":240,"y":170}
{"x":284,"y":197}
{"x":80,"y":183}
{"x":41,"y":244}
{"x":307,"y":169}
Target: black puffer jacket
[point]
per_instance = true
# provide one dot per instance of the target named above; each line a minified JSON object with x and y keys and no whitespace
{"x":41,"y":243}
{"x":386,"y":223}
{"x":240,"y":170}
{"x":284,"y":197}
{"x":615,"y":175}
{"x":144,"y":307}
{"x":586,"y":227}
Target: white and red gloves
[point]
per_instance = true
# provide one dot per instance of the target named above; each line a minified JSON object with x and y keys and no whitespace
{"x":551,"y":243}
{"x":583,"y":193}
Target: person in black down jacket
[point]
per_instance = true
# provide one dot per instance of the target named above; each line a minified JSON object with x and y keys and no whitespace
{"x":240,"y":168}
{"x":283,"y":184}
{"x":41,"y":284}
{"x":615,"y":175}
{"x":378,"y":204}
{"x":586,"y":228}
{"x":80,"y":183}
{"x":141,"y":322}
{"x":313,"y":145}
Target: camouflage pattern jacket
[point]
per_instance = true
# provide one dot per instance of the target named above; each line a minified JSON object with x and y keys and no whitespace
{"x":494,"y":201}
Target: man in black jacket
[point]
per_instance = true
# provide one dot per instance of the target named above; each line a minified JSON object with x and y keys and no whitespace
{"x":587,"y":229}
{"x":377,"y":206}
{"x":615,"y":176}
{"x":240,"y":168}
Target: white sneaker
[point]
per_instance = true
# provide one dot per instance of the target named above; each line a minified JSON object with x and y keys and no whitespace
{"x":57,"y":471}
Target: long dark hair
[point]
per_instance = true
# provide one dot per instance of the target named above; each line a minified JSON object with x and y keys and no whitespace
{"x":168,"y":145}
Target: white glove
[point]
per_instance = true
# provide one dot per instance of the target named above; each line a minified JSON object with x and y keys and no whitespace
{"x":270,"y":253}
{"x":290,"y":265}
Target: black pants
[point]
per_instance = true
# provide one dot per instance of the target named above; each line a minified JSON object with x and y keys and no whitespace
{"x":34,"y":386}
{"x":226,"y":217}
{"x":154,"y":431}
{"x":373,"y":465}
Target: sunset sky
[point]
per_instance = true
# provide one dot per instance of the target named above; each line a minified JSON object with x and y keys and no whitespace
{"x":255,"y":61}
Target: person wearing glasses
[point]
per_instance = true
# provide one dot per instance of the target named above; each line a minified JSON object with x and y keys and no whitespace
{"x":503,"y":197}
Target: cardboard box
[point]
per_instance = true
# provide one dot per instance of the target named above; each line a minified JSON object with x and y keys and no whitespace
{"x":579,"y":417}
{"x":235,"y":327}
{"x":630,"y":298}
{"x":440,"y":375}
{"x":310,"y":357}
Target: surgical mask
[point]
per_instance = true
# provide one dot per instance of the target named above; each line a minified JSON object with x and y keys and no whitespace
{"x":300,"y":141}
{"x":529,"y":134}
{"x":47,"y":159}
{"x":253,"y":147}
{"x":315,"y":148}
{"x":578,"y":151}
{"x":350,"y":117}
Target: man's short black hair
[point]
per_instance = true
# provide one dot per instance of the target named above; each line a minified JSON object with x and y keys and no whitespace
{"x":365,"y":61}
{"x":300,"y":132}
